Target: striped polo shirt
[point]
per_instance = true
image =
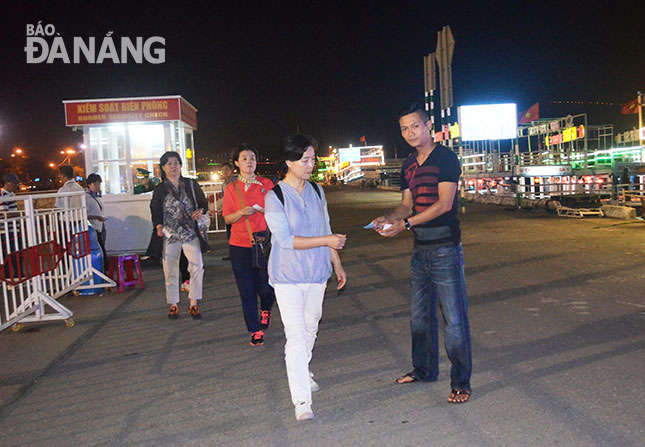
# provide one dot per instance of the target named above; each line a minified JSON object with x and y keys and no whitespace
{"x":442,"y":165}
{"x":10,"y":205}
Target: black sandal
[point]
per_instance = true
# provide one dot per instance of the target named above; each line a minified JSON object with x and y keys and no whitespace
{"x":407,"y":378}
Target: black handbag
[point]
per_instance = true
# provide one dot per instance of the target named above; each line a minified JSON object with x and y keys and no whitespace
{"x":260,"y":240}
{"x":260,"y":246}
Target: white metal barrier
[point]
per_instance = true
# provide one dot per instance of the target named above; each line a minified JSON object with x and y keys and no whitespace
{"x":44,"y":254}
{"x":214,"y":192}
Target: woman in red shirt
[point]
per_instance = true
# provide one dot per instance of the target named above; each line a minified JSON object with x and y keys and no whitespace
{"x":244,"y":201}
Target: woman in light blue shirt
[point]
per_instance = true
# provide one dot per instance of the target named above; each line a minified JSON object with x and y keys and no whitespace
{"x":303,"y":253}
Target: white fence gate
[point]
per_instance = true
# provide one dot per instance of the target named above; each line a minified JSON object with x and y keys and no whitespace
{"x":44,"y":254}
{"x":214,"y":194}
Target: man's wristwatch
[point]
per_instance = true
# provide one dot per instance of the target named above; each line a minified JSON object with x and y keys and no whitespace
{"x":407,"y":224}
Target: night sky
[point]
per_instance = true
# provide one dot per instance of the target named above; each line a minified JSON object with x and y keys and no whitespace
{"x":336,"y":70}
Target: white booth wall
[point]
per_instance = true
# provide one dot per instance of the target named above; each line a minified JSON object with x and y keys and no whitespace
{"x":127,"y":222}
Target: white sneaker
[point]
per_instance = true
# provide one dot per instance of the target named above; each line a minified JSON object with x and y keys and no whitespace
{"x":303,"y":411}
{"x":314,"y":386}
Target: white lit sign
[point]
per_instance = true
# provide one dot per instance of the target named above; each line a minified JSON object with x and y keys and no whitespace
{"x":544,"y":171}
{"x":488,"y":122}
{"x":352,"y":154}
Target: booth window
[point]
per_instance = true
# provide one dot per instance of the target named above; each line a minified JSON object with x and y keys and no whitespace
{"x":146,"y":141}
{"x":115,"y":162}
{"x":118,"y":150}
{"x":107,"y":145}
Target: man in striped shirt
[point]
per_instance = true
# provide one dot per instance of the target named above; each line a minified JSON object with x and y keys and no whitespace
{"x":428,"y":207}
{"x":10,"y":240}
{"x":9,"y":189}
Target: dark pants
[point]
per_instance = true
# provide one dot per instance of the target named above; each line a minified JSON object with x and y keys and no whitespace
{"x":101,"y":236}
{"x":251,"y":282}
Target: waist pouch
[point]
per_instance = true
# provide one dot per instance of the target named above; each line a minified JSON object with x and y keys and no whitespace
{"x":433,"y":237}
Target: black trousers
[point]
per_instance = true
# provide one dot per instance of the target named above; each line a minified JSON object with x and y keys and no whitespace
{"x":251,"y":282}
{"x":101,"y":236}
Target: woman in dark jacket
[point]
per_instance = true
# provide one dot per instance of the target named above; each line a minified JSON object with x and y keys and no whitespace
{"x":177,"y":204}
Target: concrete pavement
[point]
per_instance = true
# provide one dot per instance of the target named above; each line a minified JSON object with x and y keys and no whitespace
{"x":557,"y":314}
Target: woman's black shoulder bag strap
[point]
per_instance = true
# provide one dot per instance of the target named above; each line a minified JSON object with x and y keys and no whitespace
{"x":278,"y":191}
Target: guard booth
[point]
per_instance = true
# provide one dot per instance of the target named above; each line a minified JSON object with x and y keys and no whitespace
{"x":121,"y":135}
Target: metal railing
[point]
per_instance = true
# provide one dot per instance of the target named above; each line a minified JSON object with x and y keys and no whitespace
{"x":214,"y":193}
{"x":44,"y":254}
{"x":624,"y":193}
{"x":483,"y":163}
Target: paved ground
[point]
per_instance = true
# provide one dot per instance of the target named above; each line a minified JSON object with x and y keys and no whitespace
{"x":557,"y":312}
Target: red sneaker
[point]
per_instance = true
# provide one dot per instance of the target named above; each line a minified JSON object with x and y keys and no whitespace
{"x":257,"y":338}
{"x":265,"y":319}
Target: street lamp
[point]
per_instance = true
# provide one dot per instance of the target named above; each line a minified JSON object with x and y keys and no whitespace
{"x":68,"y":152}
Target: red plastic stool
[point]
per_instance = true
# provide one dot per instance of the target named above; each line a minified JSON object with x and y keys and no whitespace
{"x":126,"y":262}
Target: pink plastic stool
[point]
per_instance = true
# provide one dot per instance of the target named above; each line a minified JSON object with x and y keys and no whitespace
{"x":127,"y":262}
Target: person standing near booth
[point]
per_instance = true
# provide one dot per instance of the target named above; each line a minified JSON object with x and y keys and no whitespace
{"x":243,"y":209}
{"x":11,"y":184}
{"x":144,"y":184}
{"x":10,"y":239}
{"x":69,"y":185}
{"x":95,"y":213}
{"x":303,"y":253}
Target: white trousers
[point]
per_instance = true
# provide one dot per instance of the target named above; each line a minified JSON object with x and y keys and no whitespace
{"x":300,"y":310}
{"x":171,"y":254}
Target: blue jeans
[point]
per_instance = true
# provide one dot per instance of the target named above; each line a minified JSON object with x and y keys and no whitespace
{"x":439,"y":274}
